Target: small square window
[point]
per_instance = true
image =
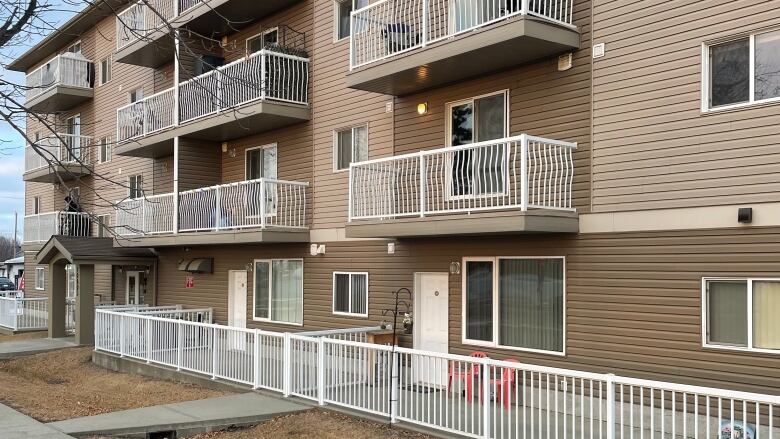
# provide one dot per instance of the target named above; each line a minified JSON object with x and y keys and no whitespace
{"x":351,"y":146}
{"x":350,"y":294}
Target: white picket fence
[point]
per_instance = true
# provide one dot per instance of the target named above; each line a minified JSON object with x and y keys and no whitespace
{"x":387,"y":28}
{"x":67,"y":69}
{"x":261,"y":203}
{"x":475,"y":397}
{"x":519,"y":172}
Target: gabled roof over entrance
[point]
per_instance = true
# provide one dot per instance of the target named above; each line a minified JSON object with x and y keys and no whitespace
{"x":79,"y":250}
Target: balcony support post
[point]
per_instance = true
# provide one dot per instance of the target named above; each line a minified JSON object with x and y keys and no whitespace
{"x":175,"y":224}
{"x":263,"y":83}
{"x":263,"y":203}
{"x":422,"y":185}
{"x":176,"y":68}
{"x":524,"y":7}
{"x":523,"y":172}
{"x":218,"y":208}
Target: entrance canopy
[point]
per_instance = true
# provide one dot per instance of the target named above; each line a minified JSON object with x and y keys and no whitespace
{"x":94,"y":251}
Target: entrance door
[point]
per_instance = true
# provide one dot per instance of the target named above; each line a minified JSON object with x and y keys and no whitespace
{"x":237,"y":298}
{"x":431,"y":324}
{"x":133,"y":288}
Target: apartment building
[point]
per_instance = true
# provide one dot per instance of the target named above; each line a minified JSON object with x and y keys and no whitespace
{"x":587,"y":185}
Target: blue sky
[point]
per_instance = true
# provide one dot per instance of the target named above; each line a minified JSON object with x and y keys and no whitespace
{"x":12,"y":145}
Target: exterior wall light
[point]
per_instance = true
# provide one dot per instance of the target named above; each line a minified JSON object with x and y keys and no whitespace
{"x":422,"y":108}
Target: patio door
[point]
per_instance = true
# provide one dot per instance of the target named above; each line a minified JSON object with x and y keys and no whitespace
{"x":261,"y":162}
{"x":72,"y":140}
{"x":477,"y":171}
{"x":431,"y":327}
{"x":133,"y":294}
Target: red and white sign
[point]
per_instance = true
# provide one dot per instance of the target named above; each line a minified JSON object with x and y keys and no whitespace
{"x":189,"y":282}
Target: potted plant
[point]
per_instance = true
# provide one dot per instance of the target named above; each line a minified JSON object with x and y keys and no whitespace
{"x":408,"y":323}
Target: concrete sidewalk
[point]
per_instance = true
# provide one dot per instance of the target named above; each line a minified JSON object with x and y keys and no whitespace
{"x":18,"y":426}
{"x":191,"y":417}
{"x":10,"y":349}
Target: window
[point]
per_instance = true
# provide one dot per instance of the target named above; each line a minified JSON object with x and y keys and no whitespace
{"x":207,"y":63}
{"x":74,"y":48}
{"x":73,"y":138}
{"x":261,"y":40}
{"x":36,"y":205}
{"x":105,"y":150}
{"x":342,"y":11}
{"x":350,"y":294}
{"x":40,"y":278}
{"x":261,"y":162}
{"x":105,"y":70}
{"x":742,"y":314}
{"x":71,"y":274}
{"x":278,"y":291}
{"x":136,"y":95}
{"x":515,"y":303}
{"x":136,"y":186}
{"x":351,"y":145}
{"x":103,"y":223}
{"x":742,"y":71}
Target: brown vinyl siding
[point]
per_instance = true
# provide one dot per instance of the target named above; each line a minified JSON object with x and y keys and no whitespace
{"x":653,"y":148}
{"x":633,"y":300}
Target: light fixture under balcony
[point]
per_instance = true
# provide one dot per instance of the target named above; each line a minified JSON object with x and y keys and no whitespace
{"x":422,"y":108}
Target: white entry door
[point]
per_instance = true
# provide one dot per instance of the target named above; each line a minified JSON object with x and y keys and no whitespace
{"x":133,"y":288}
{"x":431,"y":324}
{"x":237,"y":298}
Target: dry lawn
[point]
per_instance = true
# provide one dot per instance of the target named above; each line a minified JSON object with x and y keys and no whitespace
{"x":316,"y":424}
{"x":23,"y":336}
{"x":65,"y":384}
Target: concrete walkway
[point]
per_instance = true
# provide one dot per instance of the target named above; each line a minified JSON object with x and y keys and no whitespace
{"x":191,"y":417}
{"x":18,"y":426}
{"x":10,"y":349}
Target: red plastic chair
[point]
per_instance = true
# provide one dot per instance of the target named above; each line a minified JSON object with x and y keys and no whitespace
{"x":468,"y":375}
{"x":505,"y":385}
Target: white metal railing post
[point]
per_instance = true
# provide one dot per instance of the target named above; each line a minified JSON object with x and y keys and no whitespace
{"x":122,"y":335}
{"x":262,"y":204}
{"x":214,"y":346}
{"x":16,"y":314}
{"x":422,"y":184}
{"x":523,"y":172}
{"x":610,"y":378}
{"x":179,"y":344}
{"x":218,"y":207}
{"x":148,"y":341}
{"x":425,"y":5}
{"x":394,"y":386}
{"x":143,"y":214}
{"x":484,"y":375}
{"x":257,"y":360}
{"x":349,"y":200}
{"x":321,"y":370}
{"x":287,"y":365}
{"x":263,"y":83}
{"x":524,"y":7}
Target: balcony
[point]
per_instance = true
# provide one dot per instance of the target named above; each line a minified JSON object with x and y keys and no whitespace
{"x":262,"y":210}
{"x":61,"y":157}
{"x":400,"y":47}
{"x":60,"y":84}
{"x":143,"y":30}
{"x":39,"y":228}
{"x":519,"y":184}
{"x":261,"y":92}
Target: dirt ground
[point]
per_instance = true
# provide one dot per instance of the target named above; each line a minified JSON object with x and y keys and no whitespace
{"x":23,"y":336}
{"x":316,"y":424}
{"x":65,"y":384}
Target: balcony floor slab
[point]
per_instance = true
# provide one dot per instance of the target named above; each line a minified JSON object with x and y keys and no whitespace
{"x":485,"y":50}
{"x":217,"y":237}
{"x":154,"y":50}
{"x":482,"y":223}
{"x":50,"y":173}
{"x":232,"y":124}
{"x":59,"y":98}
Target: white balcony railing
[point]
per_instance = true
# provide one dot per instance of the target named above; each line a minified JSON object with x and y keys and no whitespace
{"x":390,"y":27}
{"x":68,"y":69}
{"x":40,"y":227}
{"x":519,"y":172}
{"x":58,"y":149}
{"x":262,"y":203}
{"x":265,"y":75}
{"x":24,"y":314}
{"x":139,"y":20}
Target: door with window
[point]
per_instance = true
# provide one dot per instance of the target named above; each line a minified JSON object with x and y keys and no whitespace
{"x":261,"y":162}
{"x":72,"y":140}
{"x":134,"y":288}
{"x":478,"y":170}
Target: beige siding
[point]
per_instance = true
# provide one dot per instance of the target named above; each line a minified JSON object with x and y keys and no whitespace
{"x":653,"y":148}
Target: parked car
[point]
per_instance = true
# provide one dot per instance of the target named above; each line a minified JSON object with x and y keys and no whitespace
{"x":6,"y":284}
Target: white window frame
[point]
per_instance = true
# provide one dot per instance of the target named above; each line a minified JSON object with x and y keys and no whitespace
{"x":103,"y":222}
{"x":138,"y":187}
{"x":135,"y":90}
{"x":109,"y":152}
{"x":260,"y":35}
{"x":40,"y":274}
{"x":254,"y":148}
{"x":336,"y":145}
{"x":270,"y":292}
{"x":705,"y":311}
{"x":36,"y":205}
{"x":494,"y":343}
{"x":333,"y":304}
{"x":705,"y":73}
{"x":108,"y":60}
{"x":75,"y":43}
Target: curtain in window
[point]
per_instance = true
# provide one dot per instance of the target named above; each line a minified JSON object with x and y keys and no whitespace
{"x":531,"y":303}
{"x":766,"y":309}
{"x":479,"y":300}
{"x":261,"y":289}
{"x":727,"y":312}
{"x":359,"y":293}
{"x":287,"y":287}
{"x":341,"y":293}
{"x":360,"y":139}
